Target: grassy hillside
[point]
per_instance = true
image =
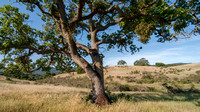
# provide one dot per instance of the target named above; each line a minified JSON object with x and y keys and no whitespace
{"x":133,"y":89}
{"x":136,"y":78}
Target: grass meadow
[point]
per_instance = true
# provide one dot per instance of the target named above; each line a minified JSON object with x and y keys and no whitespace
{"x":49,"y":98}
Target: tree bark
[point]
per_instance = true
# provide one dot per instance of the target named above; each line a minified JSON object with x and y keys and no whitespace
{"x":98,"y":92}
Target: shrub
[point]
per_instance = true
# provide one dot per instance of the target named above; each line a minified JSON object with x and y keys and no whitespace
{"x":135,"y":72}
{"x":152,"y":89}
{"x":124,"y":88}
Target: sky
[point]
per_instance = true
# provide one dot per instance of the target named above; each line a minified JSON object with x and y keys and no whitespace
{"x":181,"y":51}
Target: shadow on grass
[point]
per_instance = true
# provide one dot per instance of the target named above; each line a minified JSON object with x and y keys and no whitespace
{"x":139,"y":97}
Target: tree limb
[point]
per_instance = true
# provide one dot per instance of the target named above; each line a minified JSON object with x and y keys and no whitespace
{"x":83,"y":47}
{"x":37,"y":4}
{"x":79,"y":12}
{"x":94,"y":12}
{"x":102,"y":28}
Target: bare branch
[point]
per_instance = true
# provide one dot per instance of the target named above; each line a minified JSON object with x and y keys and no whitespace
{"x":37,"y":4}
{"x":41,"y":9}
{"x":83,"y":47}
{"x":85,"y":27}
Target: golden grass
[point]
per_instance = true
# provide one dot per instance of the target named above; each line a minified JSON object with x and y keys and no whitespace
{"x":47,"y":98}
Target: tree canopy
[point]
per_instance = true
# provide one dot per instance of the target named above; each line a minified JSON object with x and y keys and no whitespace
{"x":134,"y":19}
{"x":142,"y":62}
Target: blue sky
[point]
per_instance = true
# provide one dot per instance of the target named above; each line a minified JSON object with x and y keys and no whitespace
{"x":183,"y":50}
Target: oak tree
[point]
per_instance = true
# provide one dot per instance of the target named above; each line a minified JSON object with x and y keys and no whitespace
{"x":66,"y":20}
{"x":142,"y":62}
{"x":121,"y":62}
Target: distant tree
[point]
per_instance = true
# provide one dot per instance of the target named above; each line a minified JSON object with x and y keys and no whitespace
{"x":159,"y":64}
{"x":142,"y":62}
{"x":79,"y":70}
{"x":121,"y":62}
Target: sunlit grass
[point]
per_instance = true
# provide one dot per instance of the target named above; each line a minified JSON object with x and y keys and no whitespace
{"x":46,"y":98}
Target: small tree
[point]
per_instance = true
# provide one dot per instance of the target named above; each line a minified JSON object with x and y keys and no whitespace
{"x":121,"y":62}
{"x":142,"y":62}
{"x":159,"y":64}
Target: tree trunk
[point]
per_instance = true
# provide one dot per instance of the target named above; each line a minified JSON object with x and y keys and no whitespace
{"x":98,"y":92}
{"x":95,"y":73}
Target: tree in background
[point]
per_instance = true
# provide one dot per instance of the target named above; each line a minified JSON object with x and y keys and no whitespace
{"x":141,"y":62}
{"x":66,"y":20}
{"x":79,"y":70}
{"x":159,"y":64}
{"x":121,"y":62}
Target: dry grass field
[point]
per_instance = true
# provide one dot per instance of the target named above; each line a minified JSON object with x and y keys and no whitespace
{"x":31,"y":96}
{"x":47,"y":98}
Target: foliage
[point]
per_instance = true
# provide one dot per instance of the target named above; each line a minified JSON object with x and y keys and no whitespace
{"x":137,"y":19}
{"x":121,"y":62}
{"x":79,"y":70}
{"x":141,"y":62}
{"x":160,"y":64}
